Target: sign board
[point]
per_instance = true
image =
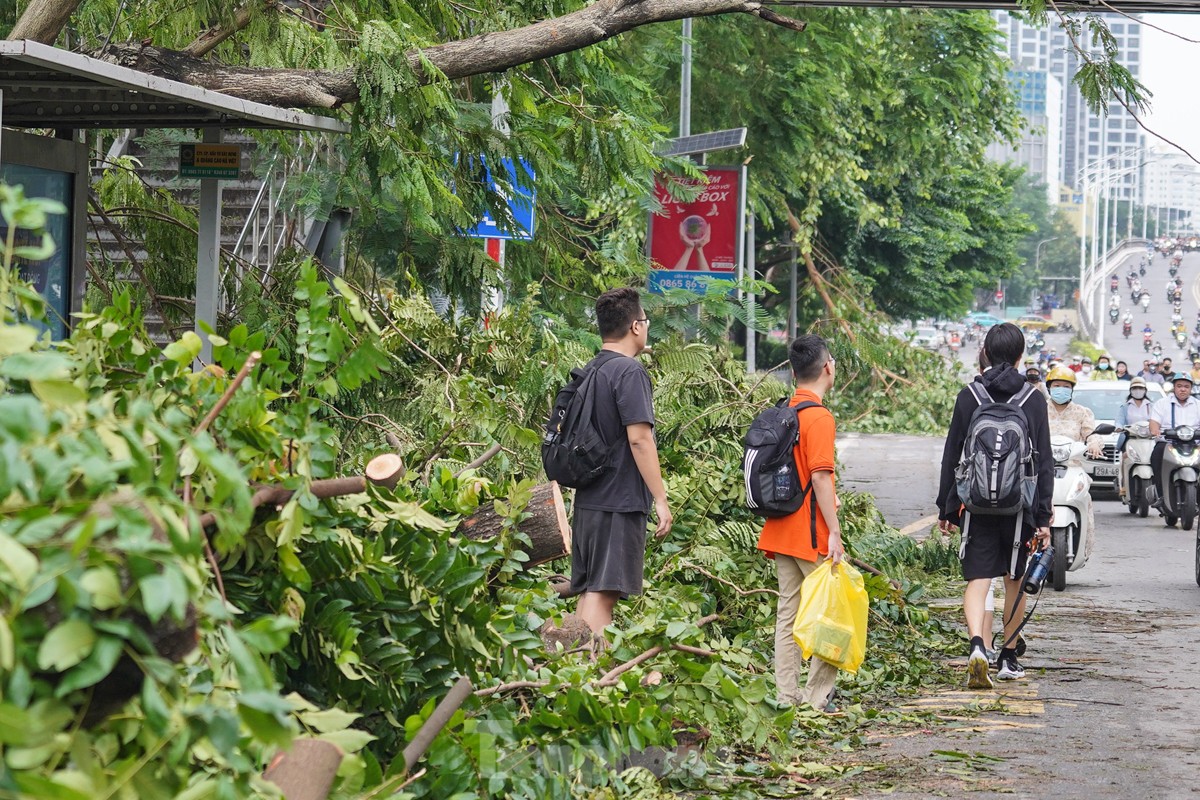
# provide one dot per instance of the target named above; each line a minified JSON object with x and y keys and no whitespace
{"x":222,"y":161}
{"x":692,"y":243}
{"x":520,"y":205}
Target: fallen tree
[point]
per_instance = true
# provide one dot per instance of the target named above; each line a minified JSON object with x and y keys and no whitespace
{"x":490,"y":52}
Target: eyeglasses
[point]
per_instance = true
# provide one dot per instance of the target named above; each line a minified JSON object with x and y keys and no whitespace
{"x":643,"y":319}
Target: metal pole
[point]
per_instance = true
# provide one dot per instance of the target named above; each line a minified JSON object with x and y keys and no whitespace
{"x":751,"y":343}
{"x":685,"y":81}
{"x":1083,"y":237}
{"x":792,"y":313}
{"x":208,"y":253}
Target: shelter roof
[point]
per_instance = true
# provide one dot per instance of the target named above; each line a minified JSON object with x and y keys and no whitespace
{"x":48,"y":87}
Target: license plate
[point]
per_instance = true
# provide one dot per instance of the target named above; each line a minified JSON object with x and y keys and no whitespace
{"x":1106,"y":472}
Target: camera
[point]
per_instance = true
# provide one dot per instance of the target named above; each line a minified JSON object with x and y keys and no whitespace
{"x":1038,"y":570}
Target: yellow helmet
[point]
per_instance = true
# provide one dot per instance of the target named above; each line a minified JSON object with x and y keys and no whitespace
{"x":1060,"y":374}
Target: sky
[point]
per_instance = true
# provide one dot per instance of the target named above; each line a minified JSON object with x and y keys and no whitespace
{"x":1170,"y":68}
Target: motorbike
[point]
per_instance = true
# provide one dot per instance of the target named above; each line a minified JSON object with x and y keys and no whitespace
{"x":1181,"y":470}
{"x":1070,"y":533}
{"x":1147,"y":341}
{"x":1156,"y":351}
{"x":1127,"y":329}
{"x":1136,"y":475}
{"x":1114,"y":314}
{"x":1142,"y":270}
{"x":1145,"y":302}
{"x":1174,"y":269}
{"x":1181,"y":339}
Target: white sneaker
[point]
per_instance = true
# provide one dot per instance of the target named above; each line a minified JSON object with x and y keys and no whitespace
{"x":1010,"y":670}
{"x":977,"y":670}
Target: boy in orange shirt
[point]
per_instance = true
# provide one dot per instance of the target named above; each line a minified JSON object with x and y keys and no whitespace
{"x":801,"y":541}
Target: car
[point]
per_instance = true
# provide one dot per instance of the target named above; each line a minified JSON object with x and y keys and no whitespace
{"x":928,"y":338}
{"x":1032,"y":322}
{"x":1105,"y":398}
{"x":981,"y":319}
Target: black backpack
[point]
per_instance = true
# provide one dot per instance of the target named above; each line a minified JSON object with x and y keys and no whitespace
{"x":574,"y":452}
{"x":773,"y":485}
{"x":996,"y":475}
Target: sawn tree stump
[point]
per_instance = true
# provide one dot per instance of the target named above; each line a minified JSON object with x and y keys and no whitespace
{"x":547,"y":528}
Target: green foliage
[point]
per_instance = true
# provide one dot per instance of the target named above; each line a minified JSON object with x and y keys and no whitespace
{"x":345,"y":619}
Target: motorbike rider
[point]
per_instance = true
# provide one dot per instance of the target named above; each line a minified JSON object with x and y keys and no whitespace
{"x":1076,"y":365}
{"x":1177,"y":408}
{"x":1166,"y":370}
{"x":1195,"y":373}
{"x":1122,"y":371}
{"x":1135,"y":409}
{"x":1114,"y":304}
{"x":1072,"y":420}
{"x":1145,"y":302}
{"x":1150,"y":372}
{"x":1103,"y":371}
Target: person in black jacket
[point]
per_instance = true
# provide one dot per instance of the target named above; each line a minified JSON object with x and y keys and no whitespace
{"x":987,"y":551}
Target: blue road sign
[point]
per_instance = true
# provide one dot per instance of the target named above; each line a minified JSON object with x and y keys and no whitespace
{"x":520,"y":205}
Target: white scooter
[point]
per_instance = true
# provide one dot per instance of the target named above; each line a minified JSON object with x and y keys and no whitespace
{"x":1070,"y":531}
{"x":1136,"y":473}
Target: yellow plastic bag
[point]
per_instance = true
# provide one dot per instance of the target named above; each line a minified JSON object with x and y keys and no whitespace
{"x":832,"y":621}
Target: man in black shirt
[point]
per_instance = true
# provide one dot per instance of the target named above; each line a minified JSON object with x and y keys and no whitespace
{"x":609,"y":527}
{"x":991,"y":544}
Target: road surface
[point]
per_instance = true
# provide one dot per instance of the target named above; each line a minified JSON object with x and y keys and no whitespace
{"x":1111,"y":704}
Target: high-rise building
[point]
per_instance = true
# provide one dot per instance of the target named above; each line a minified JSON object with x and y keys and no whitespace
{"x":1088,"y":140}
{"x":1172,"y":192}
{"x":1040,"y":149}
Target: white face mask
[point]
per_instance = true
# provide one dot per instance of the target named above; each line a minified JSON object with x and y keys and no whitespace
{"x":1137,"y":394}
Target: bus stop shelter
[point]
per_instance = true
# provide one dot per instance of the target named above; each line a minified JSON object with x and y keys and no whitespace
{"x":47,"y":88}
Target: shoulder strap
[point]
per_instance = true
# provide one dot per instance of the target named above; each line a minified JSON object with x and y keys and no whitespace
{"x":806,"y":404}
{"x":980,"y":394}
{"x":1021,"y":396}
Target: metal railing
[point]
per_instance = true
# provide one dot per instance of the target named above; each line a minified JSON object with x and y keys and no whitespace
{"x":1091,"y":295}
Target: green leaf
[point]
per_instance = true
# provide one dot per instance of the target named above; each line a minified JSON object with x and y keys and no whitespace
{"x":350,"y":740}
{"x":16,"y":725}
{"x":185,"y":350}
{"x":44,"y":366}
{"x":17,"y":338}
{"x":66,"y":645}
{"x":58,"y":393}
{"x":329,"y":720}
{"x":21,"y":564}
{"x":269,"y":634}
{"x":104,"y":587}
{"x":8,"y":652}
{"x":93,"y":669}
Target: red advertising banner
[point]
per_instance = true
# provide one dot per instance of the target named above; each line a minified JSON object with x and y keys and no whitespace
{"x":693,"y":242}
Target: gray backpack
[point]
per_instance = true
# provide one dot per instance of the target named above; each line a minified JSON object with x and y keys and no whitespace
{"x":996,"y":475}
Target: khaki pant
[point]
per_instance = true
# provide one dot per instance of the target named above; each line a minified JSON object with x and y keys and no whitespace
{"x":821,"y":674}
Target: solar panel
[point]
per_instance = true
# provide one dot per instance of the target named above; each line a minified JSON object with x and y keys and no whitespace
{"x":705,"y":142}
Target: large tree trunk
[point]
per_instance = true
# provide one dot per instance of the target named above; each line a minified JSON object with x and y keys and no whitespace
{"x":43,"y":20}
{"x":306,"y":770}
{"x":478,"y":55}
{"x":547,"y":528}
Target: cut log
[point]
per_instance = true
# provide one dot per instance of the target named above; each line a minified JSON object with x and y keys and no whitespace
{"x":385,"y":470}
{"x":571,"y":634}
{"x":307,"y":770}
{"x":547,"y":527}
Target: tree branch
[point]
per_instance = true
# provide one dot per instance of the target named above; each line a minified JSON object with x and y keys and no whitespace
{"x":486,"y":53}
{"x":206,"y":42}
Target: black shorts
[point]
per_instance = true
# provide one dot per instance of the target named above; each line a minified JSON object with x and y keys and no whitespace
{"x":608,"y":551}
{"x":988,"y":549}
